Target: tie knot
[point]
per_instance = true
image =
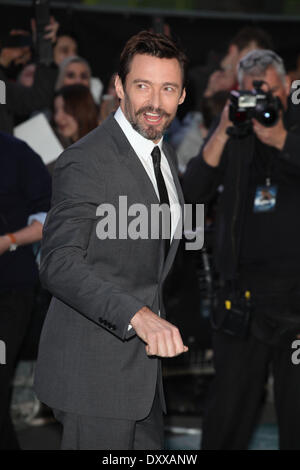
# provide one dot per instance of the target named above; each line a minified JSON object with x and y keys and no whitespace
{"x":156,"y":156}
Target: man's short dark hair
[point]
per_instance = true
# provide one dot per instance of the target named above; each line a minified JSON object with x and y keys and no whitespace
{"x":155,"y":45}
{"x":252,"y":33}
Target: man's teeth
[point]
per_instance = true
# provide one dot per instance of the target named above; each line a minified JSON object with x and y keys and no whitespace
{"x":153,"y":116}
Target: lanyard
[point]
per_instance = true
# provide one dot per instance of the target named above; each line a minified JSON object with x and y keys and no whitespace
{"x":268,"y":168}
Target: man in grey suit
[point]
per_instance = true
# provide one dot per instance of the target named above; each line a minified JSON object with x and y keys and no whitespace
{"x":99,"y":357}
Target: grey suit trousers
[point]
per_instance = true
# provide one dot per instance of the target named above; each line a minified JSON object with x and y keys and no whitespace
{"x":82,"y":432}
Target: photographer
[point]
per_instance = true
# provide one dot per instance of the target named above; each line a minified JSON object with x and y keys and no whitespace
{"x":21,"y":100}
{"x":257,"y":255}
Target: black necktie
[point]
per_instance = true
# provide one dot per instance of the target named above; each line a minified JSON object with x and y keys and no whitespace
{"x":163,"y":193}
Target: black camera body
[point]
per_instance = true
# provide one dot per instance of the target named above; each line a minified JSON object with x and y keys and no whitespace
{"x":42,"y":17}
{"x":246,"y":105}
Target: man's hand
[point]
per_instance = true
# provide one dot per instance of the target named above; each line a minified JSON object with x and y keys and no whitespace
{"x":220,"y":80}
{"x":27,"y":235}
{"x":161,"y":337}
{"x":224,"y":121}
{"x":17,"y":55}
{"x":274,"y":136}
{"x":50,"y":30}
{"x":4,"y":244}
{"x":213,"y":149}
{"x":21,"y":55}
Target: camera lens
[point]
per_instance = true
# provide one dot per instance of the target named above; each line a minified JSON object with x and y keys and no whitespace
{"x":268,"y":115}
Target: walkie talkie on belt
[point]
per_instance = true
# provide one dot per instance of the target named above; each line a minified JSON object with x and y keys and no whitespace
{"x":232,"y":312}
{"x":237,"y":314}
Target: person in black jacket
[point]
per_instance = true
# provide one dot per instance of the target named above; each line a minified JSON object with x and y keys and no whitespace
{"x":25,"y":192}
{"x":21,"y":100}
{"x":257,"y":255}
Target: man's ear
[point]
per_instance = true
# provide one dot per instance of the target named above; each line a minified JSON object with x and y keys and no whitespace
{"x":182,"y":97}
{"x":119,"y":87}
{"x":288,"y":84}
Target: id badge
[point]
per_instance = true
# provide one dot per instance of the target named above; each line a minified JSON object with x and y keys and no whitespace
{"x":265,"y":198}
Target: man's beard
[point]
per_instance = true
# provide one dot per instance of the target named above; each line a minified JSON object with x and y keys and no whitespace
{"x":150,"y":132}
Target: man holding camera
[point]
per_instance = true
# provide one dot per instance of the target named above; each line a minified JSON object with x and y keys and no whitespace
{"x":254,"y":161}
{"x":15,"y":50}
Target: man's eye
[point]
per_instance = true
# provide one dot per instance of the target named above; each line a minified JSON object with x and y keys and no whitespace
{"x":169,"y":88}
{"x":142,"y":85}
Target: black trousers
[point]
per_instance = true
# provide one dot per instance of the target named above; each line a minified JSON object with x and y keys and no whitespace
{"x":95,"y":433}
{"x":15,"y":314}
{"x":242,"y":368}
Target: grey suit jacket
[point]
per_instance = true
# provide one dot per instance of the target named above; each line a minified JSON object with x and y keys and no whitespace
{"x":88,"y":362}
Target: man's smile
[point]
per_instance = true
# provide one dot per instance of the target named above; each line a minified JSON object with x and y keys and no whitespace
{"x":152,"y":118}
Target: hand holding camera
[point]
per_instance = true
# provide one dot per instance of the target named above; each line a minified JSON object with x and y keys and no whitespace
{"x":17,"y":46}
{"x":274,"y":136}
{"x":50,"y":30}
{"x":259,"y":107}
{"x":225,"y":122}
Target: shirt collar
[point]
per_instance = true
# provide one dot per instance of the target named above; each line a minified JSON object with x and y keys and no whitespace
{"x":142,"y":146}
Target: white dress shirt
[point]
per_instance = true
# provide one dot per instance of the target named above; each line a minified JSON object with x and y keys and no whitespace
{"x":143,"y":148}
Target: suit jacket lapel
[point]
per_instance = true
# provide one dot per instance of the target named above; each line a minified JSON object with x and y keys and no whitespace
{"x":132,"y":161}
{"x":174,"y":173}
{"x":175,"y":242}
{"x":128,"y":156}
{"x":135,"y":165}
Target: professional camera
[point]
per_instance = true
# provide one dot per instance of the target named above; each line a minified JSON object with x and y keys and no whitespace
{"x":246,"y":105}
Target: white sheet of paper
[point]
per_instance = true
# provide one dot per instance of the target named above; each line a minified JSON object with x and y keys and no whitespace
{"x":96,"y":89}
{"x":38,"y":134}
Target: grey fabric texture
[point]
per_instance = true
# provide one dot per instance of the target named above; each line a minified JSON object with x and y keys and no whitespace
{"x":88,"y":362}
{"x":95,"y":433}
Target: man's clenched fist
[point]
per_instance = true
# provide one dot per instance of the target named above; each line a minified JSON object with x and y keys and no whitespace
{"x":161,"y":337}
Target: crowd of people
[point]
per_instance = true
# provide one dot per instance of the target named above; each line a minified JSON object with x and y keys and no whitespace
{"x":255,"y":177}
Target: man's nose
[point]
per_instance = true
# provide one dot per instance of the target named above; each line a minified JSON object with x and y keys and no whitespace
{"x":155,"y":99}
